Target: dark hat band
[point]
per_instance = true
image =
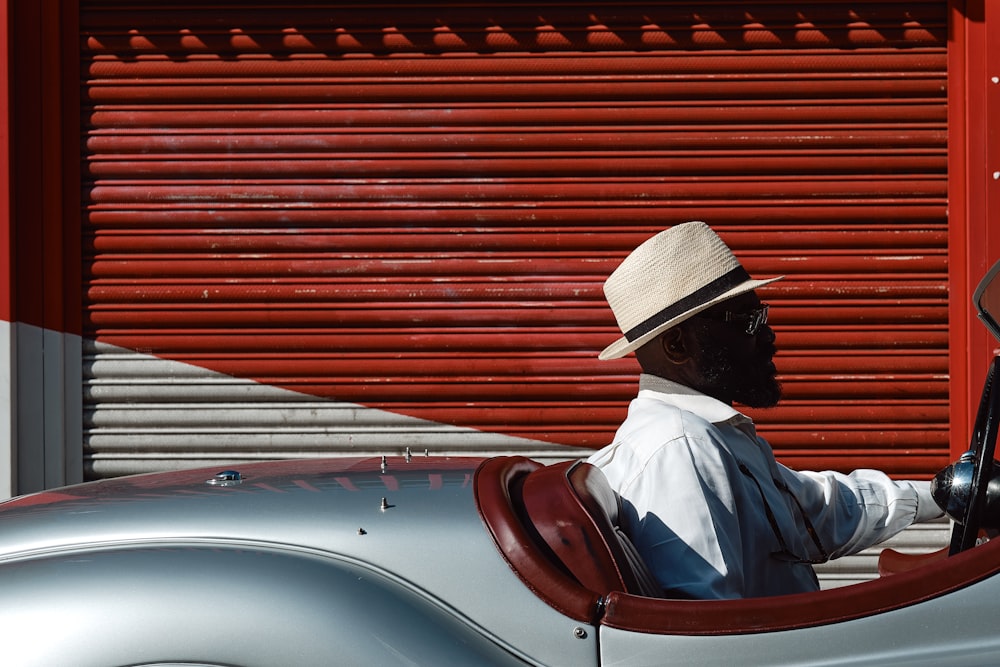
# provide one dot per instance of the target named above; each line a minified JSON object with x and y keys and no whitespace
{"x":700,"y":296}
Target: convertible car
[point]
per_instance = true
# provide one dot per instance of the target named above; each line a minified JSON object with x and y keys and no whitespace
{"x":417,"y":560}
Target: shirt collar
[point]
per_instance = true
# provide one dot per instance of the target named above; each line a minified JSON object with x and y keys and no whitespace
{"x":682,"y":396}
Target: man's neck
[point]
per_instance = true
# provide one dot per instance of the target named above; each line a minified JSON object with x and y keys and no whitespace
{"x":670,"y":386}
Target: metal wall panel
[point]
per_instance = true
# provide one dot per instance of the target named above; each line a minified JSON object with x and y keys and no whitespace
{"x":411,"y":209}
{"x":920,"y":538}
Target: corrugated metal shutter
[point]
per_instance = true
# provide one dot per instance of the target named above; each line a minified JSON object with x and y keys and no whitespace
{"x":296,"y":210}
{"x":920,"y":538}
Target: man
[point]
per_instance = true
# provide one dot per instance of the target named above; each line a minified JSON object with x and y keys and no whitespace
{"x":708,"y":507}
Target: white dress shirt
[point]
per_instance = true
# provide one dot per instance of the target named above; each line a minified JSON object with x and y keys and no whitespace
{"x":705,"y":507}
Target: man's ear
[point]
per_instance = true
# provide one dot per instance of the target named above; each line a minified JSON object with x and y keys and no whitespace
{"x":674,"y":349}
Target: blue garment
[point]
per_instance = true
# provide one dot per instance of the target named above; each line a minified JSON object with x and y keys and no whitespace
{"x":699,"y":485}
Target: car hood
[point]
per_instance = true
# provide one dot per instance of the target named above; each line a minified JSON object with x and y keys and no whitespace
{"x":413,"y":520}
{"x":352,"y":507}
{"x":416,"y":522}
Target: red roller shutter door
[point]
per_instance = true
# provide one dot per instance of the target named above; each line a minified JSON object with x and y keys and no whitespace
{"x":412,"y":209}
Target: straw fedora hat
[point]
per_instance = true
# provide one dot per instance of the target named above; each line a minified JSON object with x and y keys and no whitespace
{"x":669,"y":278}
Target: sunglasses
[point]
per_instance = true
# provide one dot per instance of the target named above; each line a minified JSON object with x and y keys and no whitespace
{"x":753,"y":320}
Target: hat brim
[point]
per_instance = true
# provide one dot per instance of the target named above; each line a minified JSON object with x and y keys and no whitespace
{"x":623,"y":346}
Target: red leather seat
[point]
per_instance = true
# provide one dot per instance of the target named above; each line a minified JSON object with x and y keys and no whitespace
{"x":576,"y":515}
{"x":497,"y":486}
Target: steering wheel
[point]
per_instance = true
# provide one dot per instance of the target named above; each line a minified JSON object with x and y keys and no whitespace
{"x":974,"y":470}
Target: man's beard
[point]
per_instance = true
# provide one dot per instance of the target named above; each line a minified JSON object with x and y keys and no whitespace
{"x":749,"y":380}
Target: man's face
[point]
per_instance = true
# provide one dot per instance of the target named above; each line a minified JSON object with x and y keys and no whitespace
{"x":735,"y":366}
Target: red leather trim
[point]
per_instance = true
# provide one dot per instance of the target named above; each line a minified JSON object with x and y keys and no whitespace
{"x":706,"y":617}
{"x":891,"y":561}
{"x":496,"y":484}
{"x":566,"y":526}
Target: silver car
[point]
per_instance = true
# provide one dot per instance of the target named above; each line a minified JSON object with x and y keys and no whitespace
{"x":417,"y":560}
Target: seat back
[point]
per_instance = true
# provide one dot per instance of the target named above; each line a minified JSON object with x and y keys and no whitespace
{"x":575,"y":512}
{"x":497,"y":485}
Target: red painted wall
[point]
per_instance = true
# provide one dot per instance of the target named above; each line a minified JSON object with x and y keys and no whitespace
{"x":56,"y":204}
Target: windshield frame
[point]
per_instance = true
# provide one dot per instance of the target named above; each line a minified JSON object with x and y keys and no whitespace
{"x":989,"y":284}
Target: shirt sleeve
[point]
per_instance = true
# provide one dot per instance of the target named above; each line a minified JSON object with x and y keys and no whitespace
{"x":853,"y":512}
